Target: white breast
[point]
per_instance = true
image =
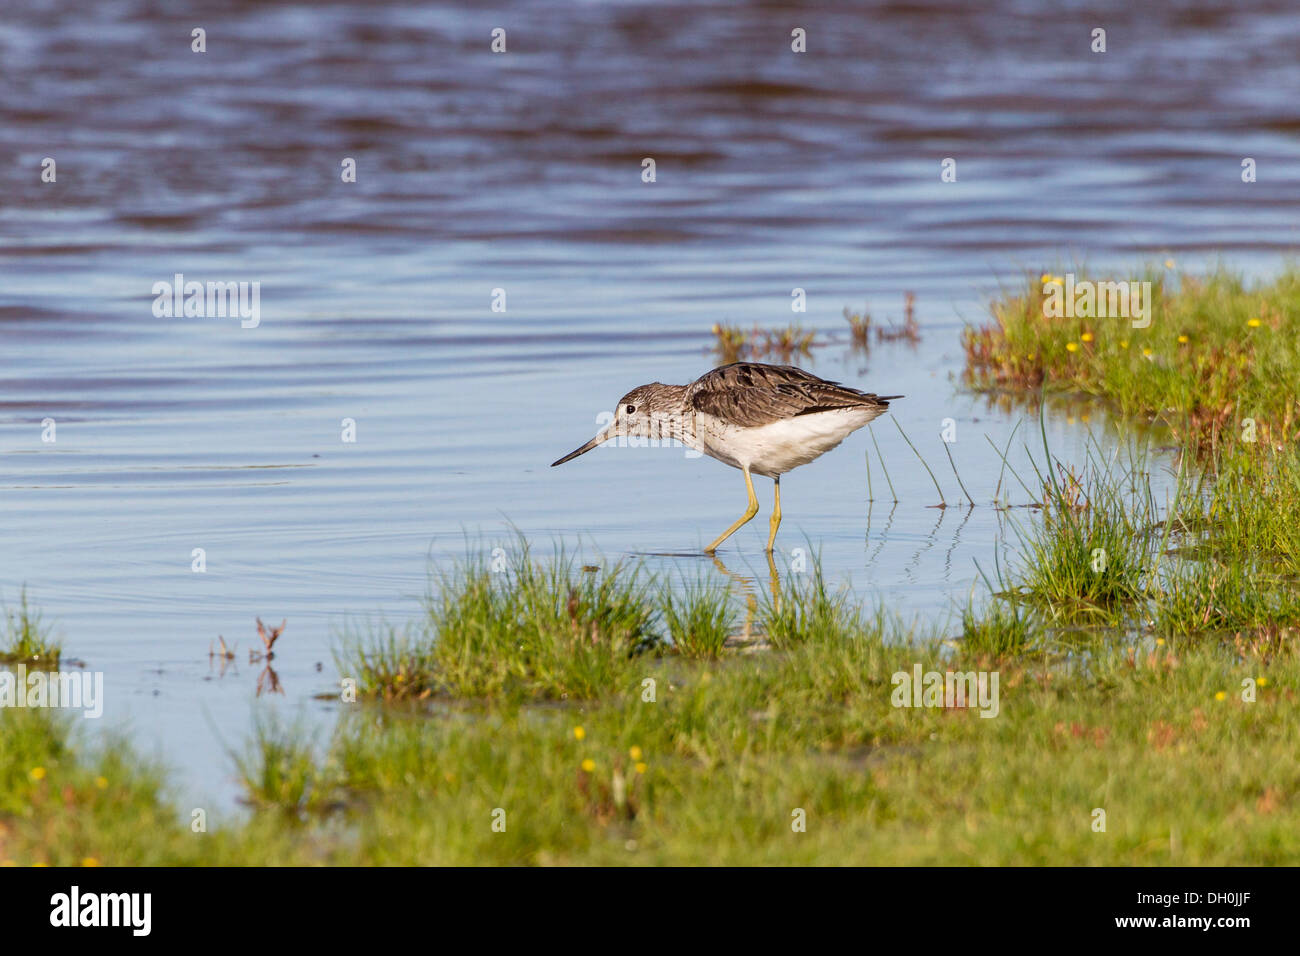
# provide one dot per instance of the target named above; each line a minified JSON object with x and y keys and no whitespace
{"x":774,"y":449}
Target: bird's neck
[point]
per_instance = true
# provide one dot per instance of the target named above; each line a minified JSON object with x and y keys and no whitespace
{"x":665,"y":428}
{"x":674,"y":419}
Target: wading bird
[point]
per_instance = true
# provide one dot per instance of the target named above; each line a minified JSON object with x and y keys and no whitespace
{"x":762,"y":419}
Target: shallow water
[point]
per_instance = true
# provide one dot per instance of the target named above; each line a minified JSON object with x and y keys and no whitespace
{"x":523,"y":171}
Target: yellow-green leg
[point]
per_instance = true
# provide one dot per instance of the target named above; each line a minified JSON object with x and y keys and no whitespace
{"x":775,"y":521}
{"x":749,"y":513}
{"x":774,"y":580}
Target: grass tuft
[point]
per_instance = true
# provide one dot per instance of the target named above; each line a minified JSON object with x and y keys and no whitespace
{"x":388,"y":663}
{"x":26,"y":639}
{"x":699,"y":617}
{"x":515,"y":629}
{"x":278,"y":770}
{"x":804,"y":610}
{"x":1002,"y":630}
{"x":734,"y":344}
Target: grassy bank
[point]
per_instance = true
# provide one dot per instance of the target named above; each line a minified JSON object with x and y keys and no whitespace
{"x":1219,"y":366}
{"x":1216,"y":353}
{"x":668,"y":756}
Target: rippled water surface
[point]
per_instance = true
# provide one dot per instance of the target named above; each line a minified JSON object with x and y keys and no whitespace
{"x":522,"y":172}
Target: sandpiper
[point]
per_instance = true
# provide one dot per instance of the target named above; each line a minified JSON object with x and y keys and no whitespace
{"x":762,"y":419}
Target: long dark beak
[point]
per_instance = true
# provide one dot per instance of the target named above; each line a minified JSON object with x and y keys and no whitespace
{"x":602,"y":437}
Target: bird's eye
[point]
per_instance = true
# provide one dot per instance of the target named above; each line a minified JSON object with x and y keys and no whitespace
{"x":631,"y":409}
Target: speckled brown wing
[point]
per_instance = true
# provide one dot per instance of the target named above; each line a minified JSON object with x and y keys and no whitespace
{"x":749,"y":394}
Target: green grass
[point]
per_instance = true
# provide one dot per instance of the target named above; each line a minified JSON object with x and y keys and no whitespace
{"x":26,"y":639}
{"x":1248,"y":511}
{"x":734,"y":344}
{"x":278,"y":770}
{"x":1001,"y":630}
{"x":1217,"y":351}
{"x":806,"y":610}
{"x":669,"y":758}
{"x":388,"y":663}
{"x":859,"y":328}
{"x":1218,"y":368}
{"x":698,"y":617}
{"x":520,"y":630}
{"x":712,"y":765}
{"x":1091,"y":545}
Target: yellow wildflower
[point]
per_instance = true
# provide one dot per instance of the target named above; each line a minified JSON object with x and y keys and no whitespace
{"x":1086,"y":336}
{"x":578,"y":733}
{"x":635,"y":753}
{"x":589,"y":765}
{"x":1182,"y":339}
{"x":640,"y":768}
{"x":1253,"y":323}
{"x":1220,"y":696}
{"x":38,"y":773}
{"x":1072,"y":346}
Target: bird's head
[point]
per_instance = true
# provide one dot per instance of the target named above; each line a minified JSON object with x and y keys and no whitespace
{"x":641,"y":412}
